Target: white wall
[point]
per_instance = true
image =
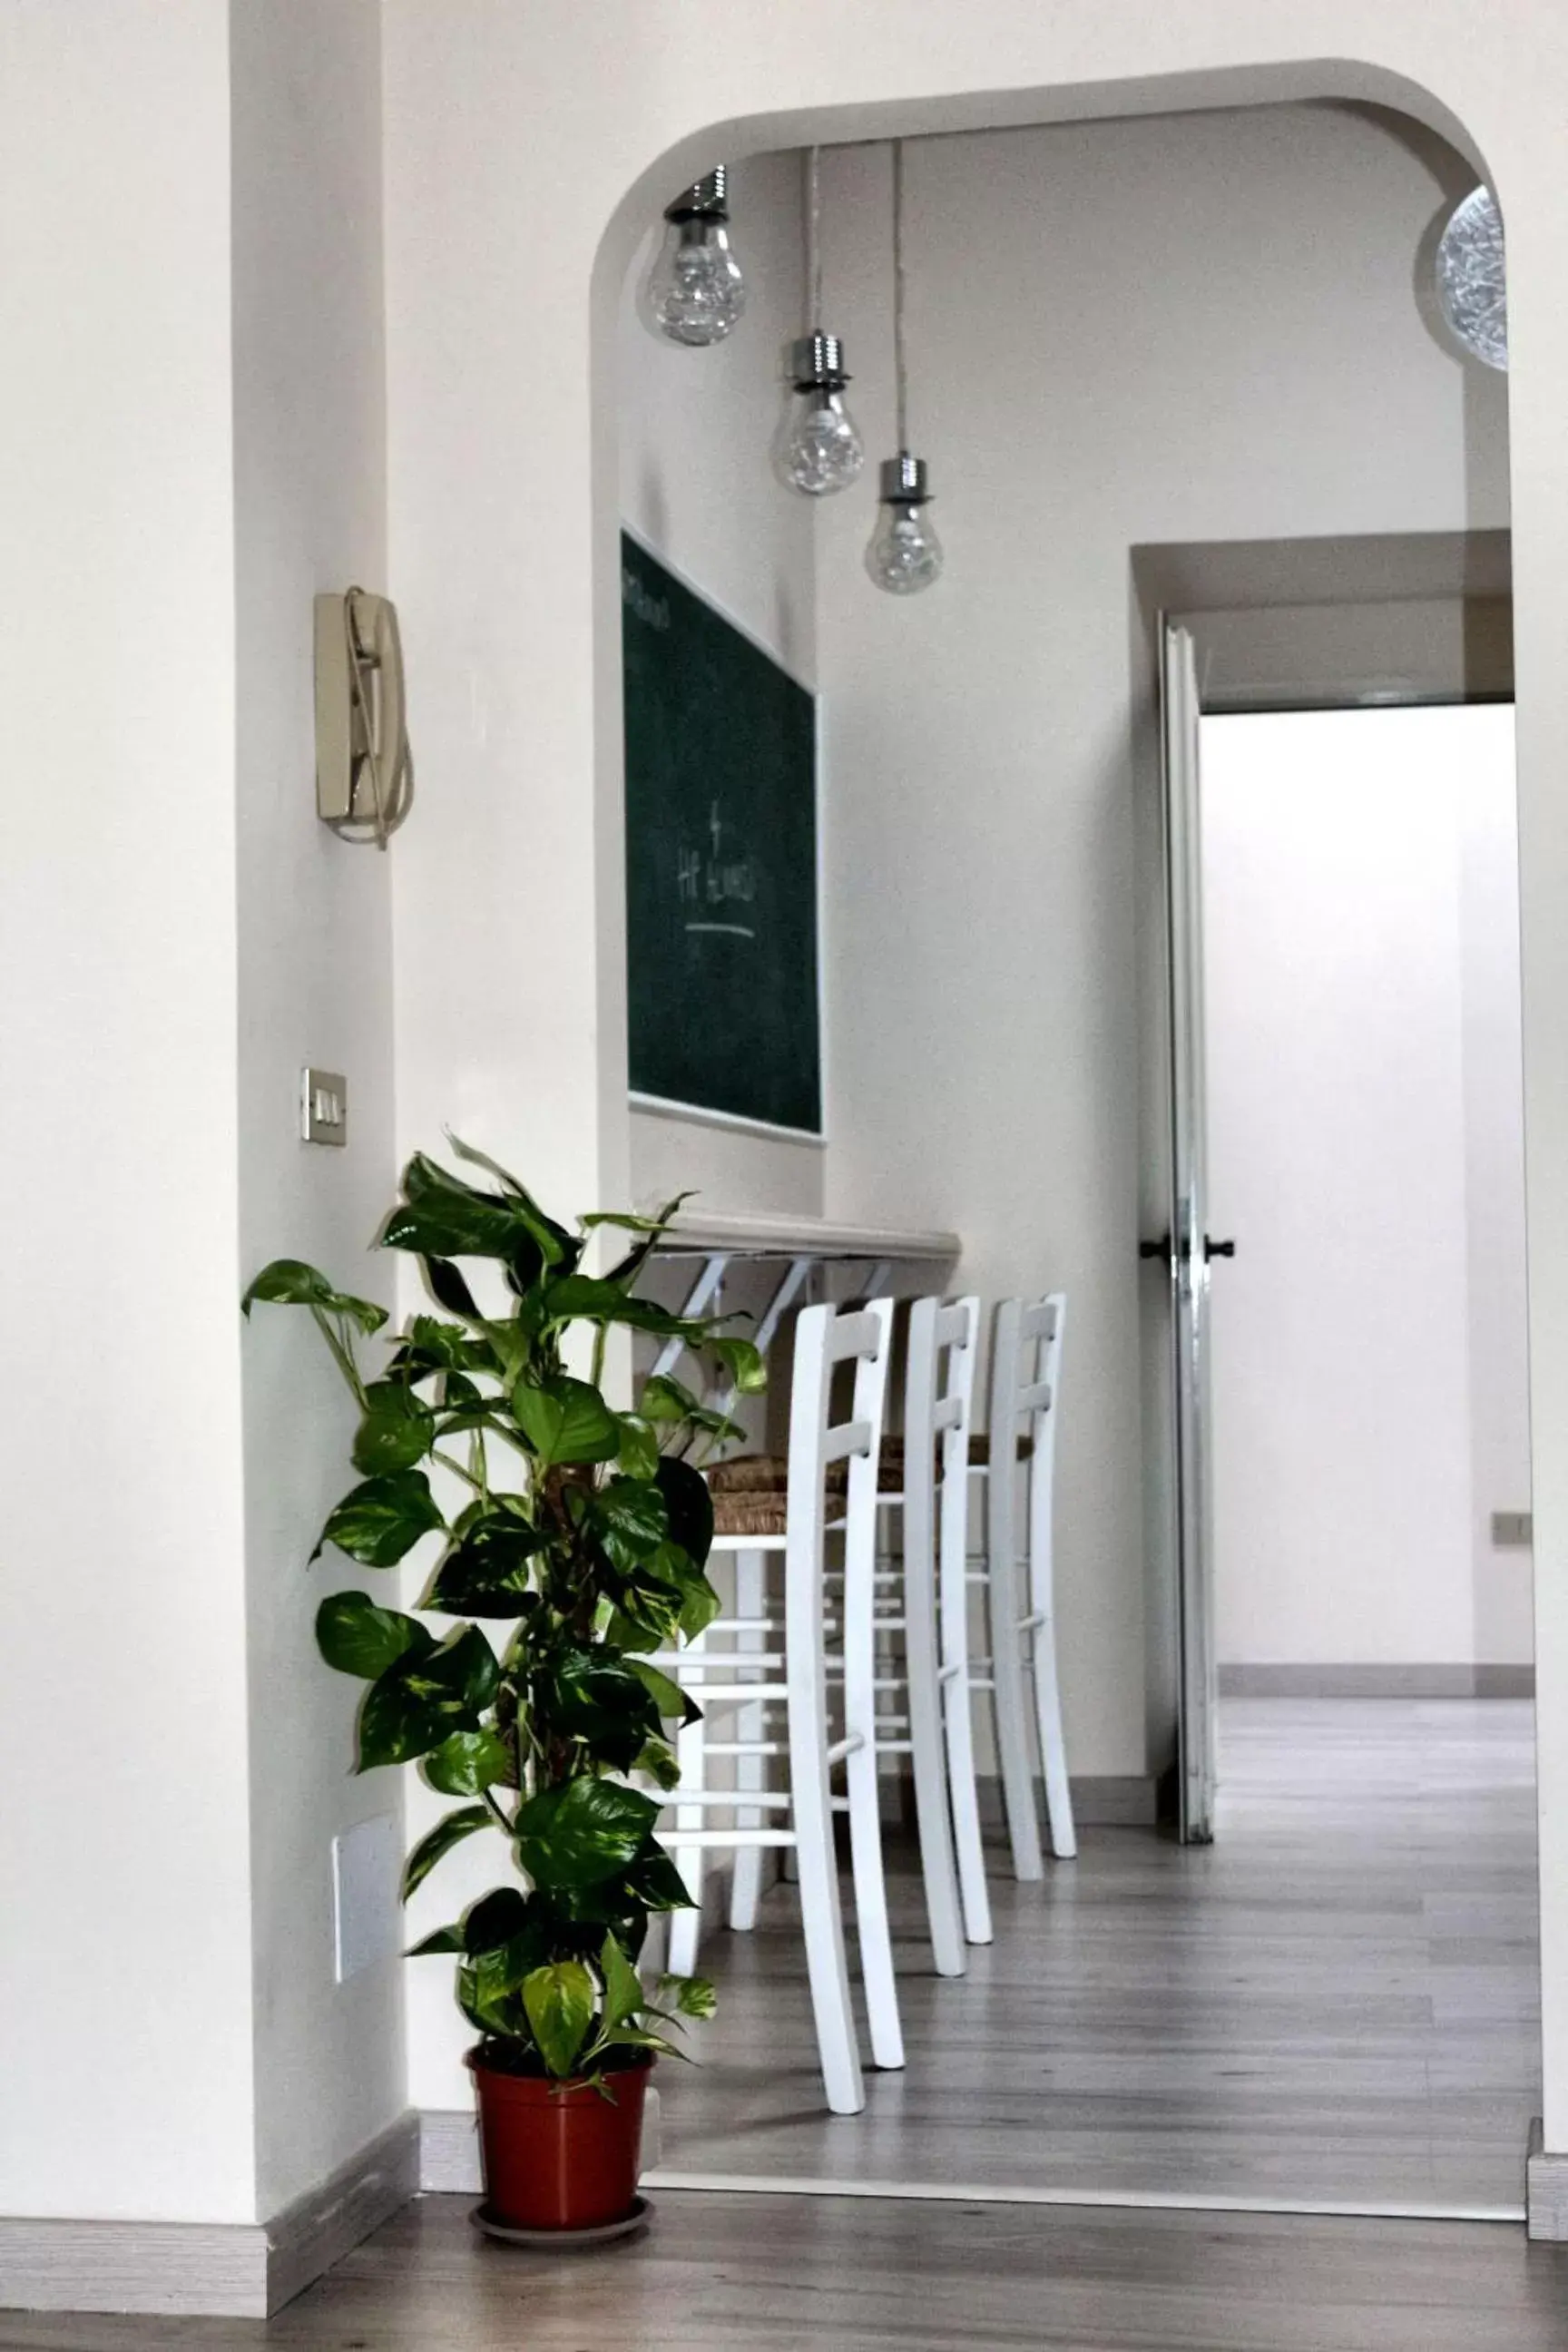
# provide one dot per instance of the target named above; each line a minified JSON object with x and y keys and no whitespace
{"x":1493,"y":1052}
{"x":1366,"y":1152}
{"x":197,"y":443}
{"x":117,"y":913}
{"x":696,"y":488}
{"x":1119,"y":333}
{"x":503,"y":542}
{"x":125,"y":1963}
{"x":315,"y":942}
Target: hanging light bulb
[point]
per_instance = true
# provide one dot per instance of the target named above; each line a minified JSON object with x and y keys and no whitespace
{"x":905,"y":553}
{"x":695,"y":292}
{"x":817,"y":449}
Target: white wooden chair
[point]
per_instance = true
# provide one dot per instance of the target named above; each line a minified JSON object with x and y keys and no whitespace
{"x":922,"y":1604}
{"x":1020,"y":1479}
{"x":939,"y":1401}
{"x":922,"y":1597}
{"x":745,"y":1679}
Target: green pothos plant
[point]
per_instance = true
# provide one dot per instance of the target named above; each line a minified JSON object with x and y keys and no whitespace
{"x":581,"y":1539}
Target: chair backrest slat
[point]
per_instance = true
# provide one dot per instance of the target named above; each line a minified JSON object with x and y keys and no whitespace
{"x":939,"y":1411}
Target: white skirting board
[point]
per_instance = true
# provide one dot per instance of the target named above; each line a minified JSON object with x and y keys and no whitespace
{"x":451,"y":2163}
{"x":1100,"y":1799}
{"x":1296,"y":1679}
{"x":209,"y":2270}
{"x":449,"y":2151}
{"x":1546,"y":2189}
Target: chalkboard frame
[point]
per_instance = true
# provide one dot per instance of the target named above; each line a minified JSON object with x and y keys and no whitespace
{"x":685,"y":1108}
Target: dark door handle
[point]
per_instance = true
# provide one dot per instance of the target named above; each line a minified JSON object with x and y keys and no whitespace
{"x":1161,"y":1248}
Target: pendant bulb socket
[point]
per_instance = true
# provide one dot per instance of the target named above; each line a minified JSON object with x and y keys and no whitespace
{"x":705,"y":199}
{"x":904,"y":480}
{"x":816,"y":360}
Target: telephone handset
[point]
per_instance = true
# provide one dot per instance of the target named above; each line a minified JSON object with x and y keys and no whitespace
{"x":364,"y":769}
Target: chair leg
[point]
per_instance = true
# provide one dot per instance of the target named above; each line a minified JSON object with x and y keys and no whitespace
{"x":958,"y":1709}
{"x":1012,"y":1718}
{"x":873,"y":1932}
{"x":821,"y":1913}
{"x":1053,"y":1747}
{"x":958,"y":1724}
{"x":686,"y":1926}
{"x":751,"y":1771}
{"x":924,"y":1693}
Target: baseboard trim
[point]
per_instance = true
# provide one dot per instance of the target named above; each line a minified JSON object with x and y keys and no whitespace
{"x":209,"y":2270}
{"x":328,"y":2222}
{"x":1294,"y":1680}
{"x":177,"y":2269}
{"x":449,"y":2164}
{"x":1545,"y":2189}
{"x":1100,"y":1801}
{"x":449,"y":2151}
{"x":1129,"y":2200}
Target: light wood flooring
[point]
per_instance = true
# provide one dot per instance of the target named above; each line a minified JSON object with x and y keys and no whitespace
{"x":744,"y":2273}
{"x":1336,"y":2001}
{"x":1335,"y":2004}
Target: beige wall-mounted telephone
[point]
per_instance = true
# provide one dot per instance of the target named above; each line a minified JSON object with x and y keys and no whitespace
{"x":364,"y":769}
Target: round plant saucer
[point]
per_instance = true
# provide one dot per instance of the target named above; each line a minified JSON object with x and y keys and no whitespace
{"x":563,"y":2240}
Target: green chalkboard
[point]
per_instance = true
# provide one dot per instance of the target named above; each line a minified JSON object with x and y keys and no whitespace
{"x":720,"y":860}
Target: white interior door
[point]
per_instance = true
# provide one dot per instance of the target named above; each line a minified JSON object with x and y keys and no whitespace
{"x":1189,"y":1242}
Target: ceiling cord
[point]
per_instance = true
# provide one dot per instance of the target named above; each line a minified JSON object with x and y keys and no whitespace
{"x":900,"y":369}
{"x":814,"y":240}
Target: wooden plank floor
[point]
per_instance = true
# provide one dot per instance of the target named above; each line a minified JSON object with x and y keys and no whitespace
{"x":1337,"y":1999}
{"x":1335,"y":2003}
{"x":748,"y":2274}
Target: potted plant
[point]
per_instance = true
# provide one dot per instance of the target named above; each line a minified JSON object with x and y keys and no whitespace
{"x":578,"y":1540}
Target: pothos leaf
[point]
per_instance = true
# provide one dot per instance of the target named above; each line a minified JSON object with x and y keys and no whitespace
{"x":623,"y":1986}
{"x":470,"y":1762}
{"x":447,"y":1832}
{"x":638,"y":1453}
{"x":582,"y":1831}
{"x":666,"y":1695}
{"x":566,"y":1420}
{"x":744,"y":1364}
{"x":692,"y":1996}
{"x":486,"y":1573}
{"x":448,"y":1288}
{"x":689,"y":1506}
{"x":397,"y":1430}
{"x":659,"y":1760}
{"x":440,"y":1940}
{"x":559,"y":2001}
{"x":664,"y":1398}
{"x":382,"y":1519}
{"x":357,"y":1638}
{"x":289,"y":1282}
{"x":426,"y":1696}
{"x":632,"y":1519}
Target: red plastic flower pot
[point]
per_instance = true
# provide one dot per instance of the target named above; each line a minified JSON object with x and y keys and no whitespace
{"x":558,"y":2155}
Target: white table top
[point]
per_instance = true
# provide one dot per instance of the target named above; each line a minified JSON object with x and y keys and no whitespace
{"x":766,"y":1233}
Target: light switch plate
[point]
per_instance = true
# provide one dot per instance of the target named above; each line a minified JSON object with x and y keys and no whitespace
{"x":366,"y":1874}
{"x":1512,"y":1531}
{"x":323,"y":1107}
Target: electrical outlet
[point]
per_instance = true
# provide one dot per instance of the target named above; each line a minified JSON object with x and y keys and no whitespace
{"x":366,"y":1876}
{"x":323,"y":1107}
{"x":1512,"y":1531}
